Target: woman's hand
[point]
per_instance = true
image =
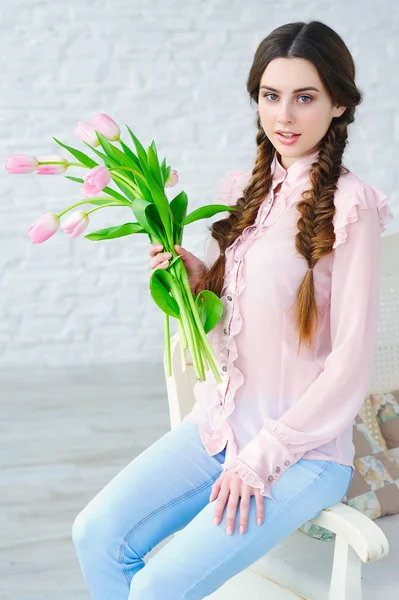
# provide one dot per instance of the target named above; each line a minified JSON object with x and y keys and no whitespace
{"x":230,"y":487}
{"x":193,"y":265}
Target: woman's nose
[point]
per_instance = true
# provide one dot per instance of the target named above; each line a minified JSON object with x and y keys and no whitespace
{"x":285,"y":115}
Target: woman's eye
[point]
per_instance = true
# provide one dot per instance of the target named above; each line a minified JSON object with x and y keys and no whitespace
{"x":303,"y":96}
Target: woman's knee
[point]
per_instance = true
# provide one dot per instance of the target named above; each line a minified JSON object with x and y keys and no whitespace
{"x":87,"y":530}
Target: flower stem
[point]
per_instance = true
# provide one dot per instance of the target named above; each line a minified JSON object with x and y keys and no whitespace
{"x":209,"y":353}
{"x":135,"y":171}
{"x":103,"y":206}
{"x":185,"y":318}
{"x":128,"y":182}
{"x":167,"y":346}
{"x":62,"y":162}
{"x":87,"y":201}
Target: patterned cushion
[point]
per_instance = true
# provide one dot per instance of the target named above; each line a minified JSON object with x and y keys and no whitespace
{"x":374,"y":490}
{"x":386,"y":409}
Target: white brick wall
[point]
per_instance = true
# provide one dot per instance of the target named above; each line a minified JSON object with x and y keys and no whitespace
{"x":174,"y":71}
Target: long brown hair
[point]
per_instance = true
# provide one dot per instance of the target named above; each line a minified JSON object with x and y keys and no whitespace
{"x":324,"y":48}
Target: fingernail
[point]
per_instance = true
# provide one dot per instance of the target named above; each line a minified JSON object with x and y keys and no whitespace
{"x":216,"y":521}
{"x":241,"y":528}
{"x":229,"y":530}
{"x":259,"y":521}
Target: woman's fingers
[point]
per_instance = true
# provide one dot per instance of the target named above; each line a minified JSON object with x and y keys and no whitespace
{"x":220,"y":504}
{"x":244,"y":508}
{"x":260,"y":507}
{"x":161,"y":265}
{"x":215,"y":489}
{"x":231,"y":511}
{"x":154,"y":248}
{"x":158,"y":259}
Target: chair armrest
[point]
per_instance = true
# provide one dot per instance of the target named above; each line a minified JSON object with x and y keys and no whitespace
{"x":360,"y":532}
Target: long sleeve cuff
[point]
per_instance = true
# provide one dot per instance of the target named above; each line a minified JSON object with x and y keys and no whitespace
{"x":269,"y":459}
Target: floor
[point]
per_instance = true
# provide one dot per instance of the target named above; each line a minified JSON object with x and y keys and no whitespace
{"x":64,"y":433}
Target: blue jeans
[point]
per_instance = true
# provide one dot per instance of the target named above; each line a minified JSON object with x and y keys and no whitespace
{"x":165,"y":489}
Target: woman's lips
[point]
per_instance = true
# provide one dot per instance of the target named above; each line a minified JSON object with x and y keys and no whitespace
{"x":288,"y":141}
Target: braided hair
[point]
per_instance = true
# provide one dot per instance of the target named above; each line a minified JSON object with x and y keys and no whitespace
{"x":321,"y":45}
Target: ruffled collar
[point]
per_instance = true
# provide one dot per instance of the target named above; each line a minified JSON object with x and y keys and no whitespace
{"x":296,"y":174}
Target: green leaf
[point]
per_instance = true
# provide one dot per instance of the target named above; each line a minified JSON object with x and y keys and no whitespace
{"x":204,"y":212}
{"x":162,"y":204}
{"x":145,"y":192}
{"x":81,"y":156}
{"x":153,"y":165}
{"x":110,"y":233}
{"x":117,"y":196}
{"x":140,"y":208}
{"x":133,"y":170}
{"x":77,"y":179}
{"x":124,"y":187}
{"x":179,"y":206}
{"x":109,"y":162}
{"x":210,"y":309}
{"x":106,"y":146}
{"x":106,"y":190}
{"x":160,"y":286}
{"x":128,"y":151}
{"x":141,"y":153}
{"x":166,"y":174}
{"x":153,"y":146}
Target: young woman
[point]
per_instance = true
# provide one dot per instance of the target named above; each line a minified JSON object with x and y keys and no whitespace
{"x":297,"y":267}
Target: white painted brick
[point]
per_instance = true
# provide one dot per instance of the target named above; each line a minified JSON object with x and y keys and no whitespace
{"x":175,"y":72}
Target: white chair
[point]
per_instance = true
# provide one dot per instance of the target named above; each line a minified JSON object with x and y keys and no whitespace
{"x":301,"y":566}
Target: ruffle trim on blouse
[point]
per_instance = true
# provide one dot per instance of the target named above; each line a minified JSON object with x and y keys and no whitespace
{"x":348,"y":204}
{"x":229,"y":190}
{"x":250,"y":478}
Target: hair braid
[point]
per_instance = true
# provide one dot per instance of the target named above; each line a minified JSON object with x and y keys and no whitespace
{"x":325,"y":49}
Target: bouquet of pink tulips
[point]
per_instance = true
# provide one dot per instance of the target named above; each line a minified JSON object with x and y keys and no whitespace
{"x":141,"y":180}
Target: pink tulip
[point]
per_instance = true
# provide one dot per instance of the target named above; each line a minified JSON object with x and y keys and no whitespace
{"x":51,"y":169}
{"x":172,"y":179}
{"x":43,"y":228}
{"x":19,"y":164}
{"x":95,"y":181}
{"x":87,"y":133}
{"x":107,"y":127}
{"x":75,"y":223}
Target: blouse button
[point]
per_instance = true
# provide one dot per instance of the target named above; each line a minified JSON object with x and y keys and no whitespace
{"x":229,"y":298}
{"x":287,"y":462}
{"x":221,"y":403}
{"x":225,"y":330}
{"x":224,"y":368}
{"x":278,"y":469}
{"x":270,"y":478}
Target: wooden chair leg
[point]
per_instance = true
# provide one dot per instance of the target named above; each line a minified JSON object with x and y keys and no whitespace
{"x":346,"y":573}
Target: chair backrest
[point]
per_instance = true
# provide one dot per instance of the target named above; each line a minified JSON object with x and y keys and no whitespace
{"x":386,"y":362}
{"x":181,"y":383}
{"x":385,"y":375}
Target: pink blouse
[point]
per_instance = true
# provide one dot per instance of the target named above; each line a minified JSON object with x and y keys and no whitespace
{"x":274,"y":407}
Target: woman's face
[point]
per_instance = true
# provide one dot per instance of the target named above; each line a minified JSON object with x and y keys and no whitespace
{"x":307,"y":112}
